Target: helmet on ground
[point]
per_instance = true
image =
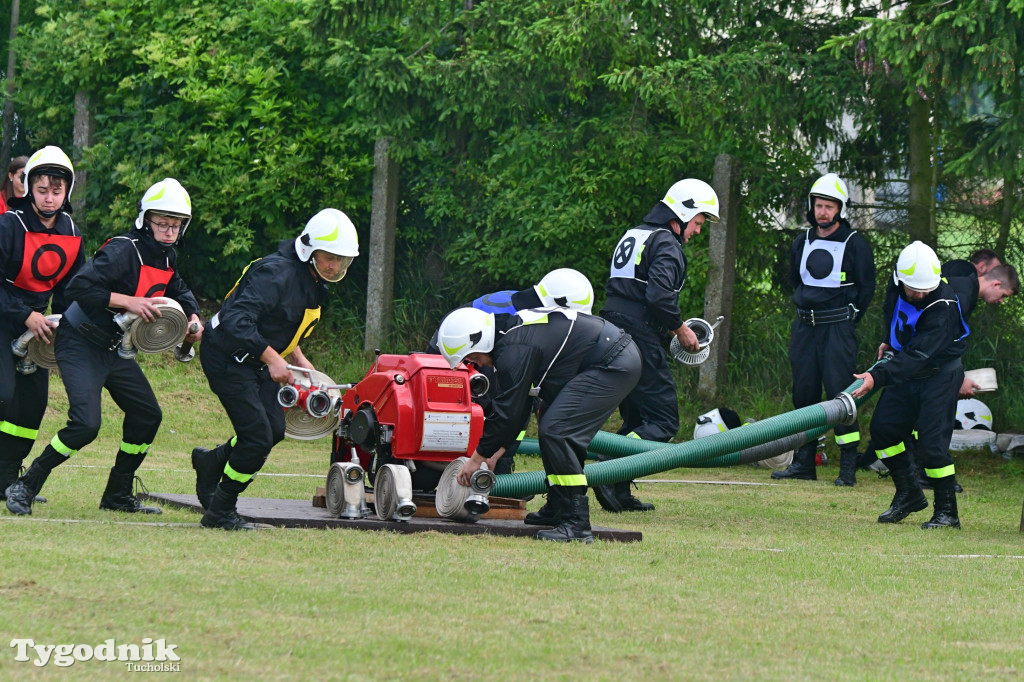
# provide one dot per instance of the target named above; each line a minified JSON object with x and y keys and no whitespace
{"x":50,"y":161}
{"x":689,"y":198}
{"x":829,"y":186}
{"x":971,"y":413}
{"x":329,"y":230}
{"x":918,"y":268}
{"x":716,"y":421}
{"x":465,"y":331}
{"x":566,"y":288}
{"x":166,"y":198}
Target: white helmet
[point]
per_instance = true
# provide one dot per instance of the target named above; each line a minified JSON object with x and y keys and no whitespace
{"x":329,"y":230}
{"x":829,"y":186}
{"x":709,"y":424}
{"x":50,"y":160}
{"x":973,"y":414}
{"x":168,"y":198}
{"x":689,"y":198}
{"x":465,"y":331}
{"x":918,"y":268}
{"x":566,"y":288}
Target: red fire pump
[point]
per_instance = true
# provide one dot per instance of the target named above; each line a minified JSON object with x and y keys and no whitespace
{"x":404,"y":424}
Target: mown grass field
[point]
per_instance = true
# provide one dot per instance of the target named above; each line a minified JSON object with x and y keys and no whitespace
{"x":788,"y":581}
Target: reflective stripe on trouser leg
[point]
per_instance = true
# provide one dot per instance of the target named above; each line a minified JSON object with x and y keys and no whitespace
{"x":567,"y":480}
{"x":18,"y":431}
{"x":891,"y":451}
{"x":236,"y":476}
{"x":848,"y":438}
{"x":57,"y":445}
{"x":941,"y":472}
{"x":135,"y":449}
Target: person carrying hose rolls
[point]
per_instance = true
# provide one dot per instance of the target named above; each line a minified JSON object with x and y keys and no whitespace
{"x":648,"y":270}
{"x":926,"y":331}
{"x":40,"y":251}
{"x":580,"y":366}
{"x":274,"y":306}
{"x":125,"y":275}
{"x":832,"y":270}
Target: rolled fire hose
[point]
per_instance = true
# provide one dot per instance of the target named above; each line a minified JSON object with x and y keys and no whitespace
{"x":299,"y":423}
{"x":705,"y":335}
{"x":34,"y":352}
{"x":723,"y":449}
{"x":155,"y":336}
{"x":459,"y":502}
{"x":346,"y":495}
{"x":392,"y":493}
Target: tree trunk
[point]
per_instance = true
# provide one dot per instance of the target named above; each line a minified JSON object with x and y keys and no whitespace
{"x":5,"y":152}
{"x":82,"y":136}
{"x":919,"y":206}
{"x":380,"y":286}
{"x":718,"y":295}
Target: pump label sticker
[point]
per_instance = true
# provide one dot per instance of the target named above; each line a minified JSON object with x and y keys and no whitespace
{"x":445,"y":432}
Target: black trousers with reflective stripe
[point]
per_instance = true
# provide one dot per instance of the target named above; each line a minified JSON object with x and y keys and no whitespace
{"x":930,"y":405}
{"x":22,"y":401}
{"x":86,"y":369}
{"x":824,"y":355}
{"x":249,"y":396}
{"x":651,"y":410}
{"x":581,"y":408}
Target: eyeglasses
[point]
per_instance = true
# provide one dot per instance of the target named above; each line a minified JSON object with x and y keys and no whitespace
{"x":166,"y":227}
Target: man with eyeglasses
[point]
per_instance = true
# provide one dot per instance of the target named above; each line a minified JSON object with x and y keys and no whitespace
{"x":125,"y":275}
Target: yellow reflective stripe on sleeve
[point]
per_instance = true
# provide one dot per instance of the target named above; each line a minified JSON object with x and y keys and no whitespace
{"x":233,"y":441}
{"x":914,"y":434}
{"x":61,"y":448}
{"x":847,"y":438}
{"x":18,"y":431}
{"x":891,"y":451}
{"x":234,"y":475}
{"x":633,"y":434}
{"x":522,"y":435}
{"x":568,"y":480}
{"x":309,"y":320}
{"x":940,"y":473}
{"x":135,"y":449}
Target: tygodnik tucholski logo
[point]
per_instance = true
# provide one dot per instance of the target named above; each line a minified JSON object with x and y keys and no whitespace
{"x":150,"y":656}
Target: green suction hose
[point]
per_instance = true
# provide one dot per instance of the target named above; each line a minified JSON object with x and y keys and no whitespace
{"x":751,"y":443}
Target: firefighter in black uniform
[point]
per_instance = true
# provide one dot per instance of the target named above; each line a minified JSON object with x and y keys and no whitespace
{"x":40,"y":250}
{"x":270,"y":310}
{"x":126,"y":274}
{"x":648,"y":270}
{"x":925,"y":328}
{"x":980,"y":262}
{"x":833,"y":273}
{"x":580,"y":366}
{"x":562,"y":288}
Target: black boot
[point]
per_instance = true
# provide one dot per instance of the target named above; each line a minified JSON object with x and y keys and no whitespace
{"x":553,"y":510}
{"x":802,"y":468}
{"x":848,"y":457}
{"x":222,"y":512}
{"x":575,"y":525}
{"x":118,"y":495}
{"x":946,"y":515}
{"x":209,"y":465}
{"x":626,"y":500}
{"x":22,"y":493}
{"x":909,"y":497}
{"x":9,"y":472}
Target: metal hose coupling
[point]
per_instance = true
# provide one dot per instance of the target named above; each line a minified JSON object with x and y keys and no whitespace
{"x":312,"y":403}
{"x":843,"y":408}
{"x":346,"y":494}
{"x":479,"y":385}
{"x":392,"y":493}
{"x":705,"y":333}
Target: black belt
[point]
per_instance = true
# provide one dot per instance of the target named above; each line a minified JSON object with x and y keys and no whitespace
{"x":830,"y":316}
{"x":89,"y":330}
{"x":628,"y":309}
{"x":929,"y":372}
{"x":609,"y":344}
{"x":239,"y":355}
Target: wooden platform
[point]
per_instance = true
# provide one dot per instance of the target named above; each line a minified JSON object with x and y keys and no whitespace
{"x":302,"y":514}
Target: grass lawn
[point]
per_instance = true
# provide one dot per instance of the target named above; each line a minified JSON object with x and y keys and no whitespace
{"x":787,"y":581}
